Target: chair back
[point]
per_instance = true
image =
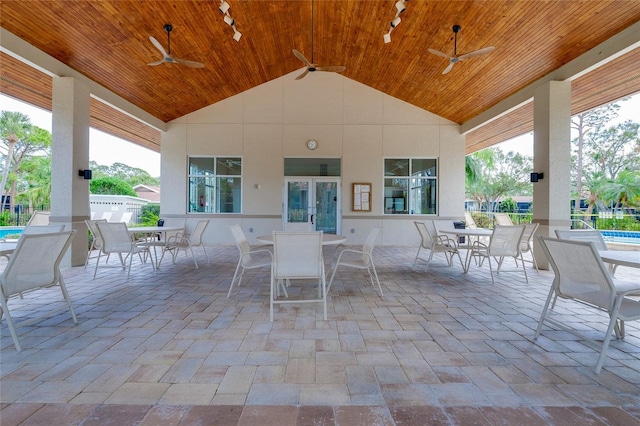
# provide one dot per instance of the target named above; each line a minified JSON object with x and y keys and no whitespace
{"x":579,"y":271}
{"x":502,"y":219}
{"x":369,"y":244}
{"x":443,"y":225}
{"x":505,"y":240}
{"x":588,"y":235}
{"x":39,"y":218}
{"x":425,"y":235}
{"x":115,"y":237}
{"x":93,"y":228}
{"x":469,"y":221}
{"x":297,"y":255}
{"x":35,"y":262}
{"x":527,"y":235}
{"x":298,"y":227}
{"x":241,"y":239}
{"x":42,"y":229}
{"x":196,"y":236}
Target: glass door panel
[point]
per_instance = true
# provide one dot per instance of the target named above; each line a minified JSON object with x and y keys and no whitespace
{"x":313,"y":201}
{"x":326,"y":214}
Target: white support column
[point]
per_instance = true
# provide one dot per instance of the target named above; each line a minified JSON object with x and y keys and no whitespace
{"x":70,"y":153}
{"x":552,"y":156}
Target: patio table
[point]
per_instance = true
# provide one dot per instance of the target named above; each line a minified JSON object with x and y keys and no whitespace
{"x":629,"y":258}
{"x":152,"y":232}
{"x":7,"y":247}
{"x":327,"y":239}
{"x":468,"y":232}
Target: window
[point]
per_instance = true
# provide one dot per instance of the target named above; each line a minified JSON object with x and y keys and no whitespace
{"x":410,"y":186}
{"x":215,"y":185}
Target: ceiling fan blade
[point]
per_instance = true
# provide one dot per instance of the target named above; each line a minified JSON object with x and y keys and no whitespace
{"x":332,"y":68}
{"x":302,"y":58}
{"x":477,"y":53}
{"x":153,"y":64}
{"x":437,"y":52}
{"x":448,"y":68}
{"x":158,"y":46}
{"x":192,"y":64}
{"x":306,"y":71}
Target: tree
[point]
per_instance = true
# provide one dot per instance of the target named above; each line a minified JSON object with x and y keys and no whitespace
{"x":34,"y":185}
{"x":132,"y":175}
{"x":613,"y":150}
{"x":585,"y":123}
{"x":14,"y":127}
{"x":111,"y":186}
{"x":624,"y":191}
{"x":500,"y":174}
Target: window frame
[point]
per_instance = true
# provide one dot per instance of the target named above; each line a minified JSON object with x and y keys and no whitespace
{"x":390,"y":201}
{"x":215,"y":177}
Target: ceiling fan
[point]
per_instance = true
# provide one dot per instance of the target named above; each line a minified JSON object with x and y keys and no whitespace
{"x":166,"y":55}
{"x":455,"y":58}
{"x":311,"y":67}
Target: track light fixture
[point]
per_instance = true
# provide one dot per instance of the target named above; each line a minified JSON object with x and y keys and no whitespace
{"x":400,"y":7}
{"x":224,"y":8}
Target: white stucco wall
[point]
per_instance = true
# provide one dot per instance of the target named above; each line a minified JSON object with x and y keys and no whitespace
{"x":349,"y":120}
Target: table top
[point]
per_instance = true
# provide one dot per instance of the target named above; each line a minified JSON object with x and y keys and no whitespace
{"x":621,"y":257}
{"x":152,"y":229}
{"x":471,"y":232}
{"x":327,"y":239}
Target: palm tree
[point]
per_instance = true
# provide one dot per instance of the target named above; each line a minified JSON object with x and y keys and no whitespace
{"x":624,"y":191}
{"x":14,"y":127}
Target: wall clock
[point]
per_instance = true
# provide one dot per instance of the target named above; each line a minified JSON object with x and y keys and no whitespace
{"x":311,"y":144}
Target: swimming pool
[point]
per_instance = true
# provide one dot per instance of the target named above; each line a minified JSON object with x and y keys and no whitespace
{"x":10,"y":230}
{"x":627,"y":237}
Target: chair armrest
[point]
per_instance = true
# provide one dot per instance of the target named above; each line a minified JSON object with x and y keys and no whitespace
{"x":445,"y":241}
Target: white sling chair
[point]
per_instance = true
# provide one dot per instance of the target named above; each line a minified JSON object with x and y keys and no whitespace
{"x":435,"y":244}
{"x":117,"y":240}
{"x":35,"y":264}
{"x":505,"y":242}
{"x":187,"y":243}
{"x":297,"y":256}
{"x":580,"y":275}
{"x":247,"y":259}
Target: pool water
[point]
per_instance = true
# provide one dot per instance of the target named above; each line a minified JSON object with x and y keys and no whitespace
{"x":627,"y":237}
{"x":4,"y":231}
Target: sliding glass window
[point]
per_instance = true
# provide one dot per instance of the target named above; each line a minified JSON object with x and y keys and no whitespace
{"x":215,"y":185}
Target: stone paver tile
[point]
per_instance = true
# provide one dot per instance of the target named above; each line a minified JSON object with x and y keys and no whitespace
{"x":273,"y":394}
{"x":467,"y":415}
{"x":410,"y":416}
{"x":12,"y":390}
{"x":267,"y":358}
{"x":116,"y":415}
{"x":408,"y":394}
{"x":330,"y":374}
{"x":324,"y":394}
{"x":335,"y":358}
{"x":538,"y":394}
{"x":302,"y":349}
{"x":226,"y":358}
{"x":138,"y":393}
{"x":189,"y":394}
{"x":149,"y":373}
{"x":168,"y":415}
{"x":379,"y":416}
{"x":312,"y":415}
{"x":301,"y":370}
{"x":15,"y":414}
{"x":377,"y":358}
{"x":459,"y":394}
{"x":268,"y":416}
{"x":362,"y":380}
{"x":237,"y":379}
{"x":506,"y":416}
{"x":390,"y":374}
{"x":56,"y":414}
{"x":215,"y":415}
{"x":53,"y":392}
{"x":209,"y":374}
{"x":270,"y":374}
{"x":229,"y":399}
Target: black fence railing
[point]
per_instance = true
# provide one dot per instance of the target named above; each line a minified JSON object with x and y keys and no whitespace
{"x":20,"y":214}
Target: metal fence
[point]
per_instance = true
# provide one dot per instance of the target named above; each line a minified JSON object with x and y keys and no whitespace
{"x":21,"y":214}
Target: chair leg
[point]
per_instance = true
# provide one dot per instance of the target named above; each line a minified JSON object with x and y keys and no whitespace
{"x":234,"y":278}
{"x":12,"y":330}
{"x":491,"y":270}
{"x":375,"y":274}
{"x":333,"y":274}
{"x":206,"y":254}
{"x":524,"y":269}
{"x":544,"y":311}
{"x":607,"y":338}
{"x":65,"y":294}
{"x":417,"y":254}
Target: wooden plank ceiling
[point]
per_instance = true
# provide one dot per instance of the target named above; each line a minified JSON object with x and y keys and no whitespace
{"x":108,"y":41}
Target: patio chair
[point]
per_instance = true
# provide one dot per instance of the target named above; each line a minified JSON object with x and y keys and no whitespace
{"x":502,"y":219}
{"x":588,"y":235}
{"x":35,"y":264}
{"x":42,"y":229}
{"x":363,"y":260}
{"x":505,"y":242}
{"x":96,"y":239}
{"x":247,"y":259}
{"x":469,"y":221}
{"x":435,"y":244}
{"x":526,"y":243}
{"x":448,"y":225}
{"x":117,"y":240}
{"x":159,"y":240}
{"x":581,"y":276}
{"x":297,"y":256}
{"x":39,"y":218}
{"x":186,"y":242}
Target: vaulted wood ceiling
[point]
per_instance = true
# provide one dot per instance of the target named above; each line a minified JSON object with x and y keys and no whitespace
{"x":108,"y":41}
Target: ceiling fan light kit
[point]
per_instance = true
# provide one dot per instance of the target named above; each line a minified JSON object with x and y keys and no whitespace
{"x":224,"y":8}
{"x":457,"y":58}
{"x":400,"y":7}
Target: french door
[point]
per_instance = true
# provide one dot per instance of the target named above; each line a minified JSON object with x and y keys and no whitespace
{"x":315,"y":201}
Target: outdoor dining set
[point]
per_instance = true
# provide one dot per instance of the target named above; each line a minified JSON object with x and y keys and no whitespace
{"x":584,"y":269}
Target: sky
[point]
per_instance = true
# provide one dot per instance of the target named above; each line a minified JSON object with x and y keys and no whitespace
{"x":105,"y":149}
{"x":629,"y":110}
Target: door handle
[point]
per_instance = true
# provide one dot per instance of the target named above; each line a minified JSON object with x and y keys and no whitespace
{"x":312,"y":216}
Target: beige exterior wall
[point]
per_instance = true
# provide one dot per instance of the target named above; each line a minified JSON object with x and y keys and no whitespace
{"x":350,"y":121}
